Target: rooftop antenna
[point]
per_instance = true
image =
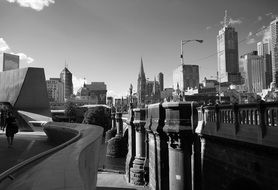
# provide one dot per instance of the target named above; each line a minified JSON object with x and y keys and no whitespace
{"x":226,"y":21}
{"x":66,"y":65}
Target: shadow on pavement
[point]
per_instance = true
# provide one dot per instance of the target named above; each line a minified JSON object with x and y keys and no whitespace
{"x":113,"y":188}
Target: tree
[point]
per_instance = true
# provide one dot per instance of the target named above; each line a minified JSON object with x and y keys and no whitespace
{"x":70,"y":110}
{"x":98,"y":116}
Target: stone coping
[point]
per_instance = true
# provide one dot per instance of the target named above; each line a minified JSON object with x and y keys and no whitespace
{"x":74,"y":166}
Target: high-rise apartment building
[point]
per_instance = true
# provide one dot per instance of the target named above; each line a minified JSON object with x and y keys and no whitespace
{"x":263,"y":49}
{"x":55,"y":89}
{"x":253,"y":72}
{"x":186,"y":77}
{"x":274,"y":42}
{"x":227,"y":54}
{"x":66,"y":78}
{"x":161,"y":81}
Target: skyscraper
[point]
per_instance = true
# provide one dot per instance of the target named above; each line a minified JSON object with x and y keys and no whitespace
{"x":227,"y":53}
{"x":252,"y":71}
{"x":161,"y":81}
{"x":263,"y":49}
{"x":186,"y":77}
{"x":66,"y":78}
{"x":141,"y":86}
{"x":274,"y":43}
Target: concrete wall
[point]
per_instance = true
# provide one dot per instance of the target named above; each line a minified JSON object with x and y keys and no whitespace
{"x":74,"y":167}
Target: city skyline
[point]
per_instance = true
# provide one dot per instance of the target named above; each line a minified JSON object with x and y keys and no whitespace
{"x":104,"y":40}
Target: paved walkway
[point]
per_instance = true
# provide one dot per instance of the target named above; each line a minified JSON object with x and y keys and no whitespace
{"x":28,"y":144}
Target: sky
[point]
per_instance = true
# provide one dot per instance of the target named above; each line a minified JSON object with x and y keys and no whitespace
{"x":104,"y":40}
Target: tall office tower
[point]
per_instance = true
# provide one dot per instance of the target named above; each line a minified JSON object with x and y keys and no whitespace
{"x":252,"y":70}
{"x":161,"y":81}
{"x":186,"y":77}
{"x":66,"y":78}
{"x":263,"y":49}
{"x":227,"y":54}
{"x":55,"y":89}
{"x":274,"y":49}
{"x":141,"y":86}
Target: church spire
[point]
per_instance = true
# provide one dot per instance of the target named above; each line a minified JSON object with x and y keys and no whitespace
{"x":142,"y":73}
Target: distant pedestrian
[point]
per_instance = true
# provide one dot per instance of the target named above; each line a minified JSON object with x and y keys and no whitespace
{"x":2,"y":119}
{"x":11,"y":128}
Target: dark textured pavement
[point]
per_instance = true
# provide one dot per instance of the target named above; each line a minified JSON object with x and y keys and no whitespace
{"x":25,"y":146}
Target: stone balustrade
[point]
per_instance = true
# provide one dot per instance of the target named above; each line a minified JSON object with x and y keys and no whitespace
{"x":252,"y":123}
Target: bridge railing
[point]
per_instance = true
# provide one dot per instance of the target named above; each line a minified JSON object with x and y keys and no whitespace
{"x":255,"y":123}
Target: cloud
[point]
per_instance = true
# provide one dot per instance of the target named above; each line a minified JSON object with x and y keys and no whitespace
{"x":271,"y":15}
{"x":3,"y":45}
{"x":77,"y":83}
{"x":37,"y":5}
{"x":249,"y":38}
{"x":208,"y":27}
{"x":251,"y":41}
{"x":266,"y":34}
{"x":24,"y":57}
{"x":235,"y":21}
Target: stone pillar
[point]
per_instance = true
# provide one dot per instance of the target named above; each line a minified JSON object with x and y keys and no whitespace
{"x":178,"y":127}
{"x":158,"y":149}
{"x":113,"y":131}
{"x":119,"y":124}
{"x":137,"y":172}
{"x":116,"y":146}
{"x":131,"y":144}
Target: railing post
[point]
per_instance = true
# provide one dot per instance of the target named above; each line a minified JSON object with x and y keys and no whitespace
{"x":261,"y":126}
{"x":116,"y":146}
{"x":158,"y":149}
{"x":131,"y":144}
{"x":119,"y":124}
{"x":178,"y":128}
{"x":112,"y":132}
{"x":137,"y":172}
{"x":236,"y":123}
{"x":217,"y":112}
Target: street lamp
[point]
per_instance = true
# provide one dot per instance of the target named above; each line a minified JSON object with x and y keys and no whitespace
{"x":184,"y":42}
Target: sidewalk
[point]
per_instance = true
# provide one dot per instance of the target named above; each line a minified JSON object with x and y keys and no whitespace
{"x":113,"y":176}
{"x":26,"y":145}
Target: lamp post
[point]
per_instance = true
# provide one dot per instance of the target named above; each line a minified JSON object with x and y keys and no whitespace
{"x":183,"y":42}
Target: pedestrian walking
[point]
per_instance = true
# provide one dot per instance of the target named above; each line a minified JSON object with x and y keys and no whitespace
{"x":2,"y":119}
{"x":11,"y":128}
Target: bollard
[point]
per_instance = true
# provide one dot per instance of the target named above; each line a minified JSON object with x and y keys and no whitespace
{"x":158,"y":149}
{"x":116,"y":146}
{"x":112,"y":132}
{"x":179,"y":130}
{"x":131,"y":144}
{"x":137,"y":172}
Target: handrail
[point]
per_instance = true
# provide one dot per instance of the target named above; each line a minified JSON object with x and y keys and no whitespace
{"x":17,"y":167}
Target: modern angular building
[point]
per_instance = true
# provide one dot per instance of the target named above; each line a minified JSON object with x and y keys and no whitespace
{"x":186,"y":77}
{"x":274,"y":48}
{"x":252,"y":71}
{"x":66,"y":78}
{"x":55,"y":90}
{"x":227,"y":54}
